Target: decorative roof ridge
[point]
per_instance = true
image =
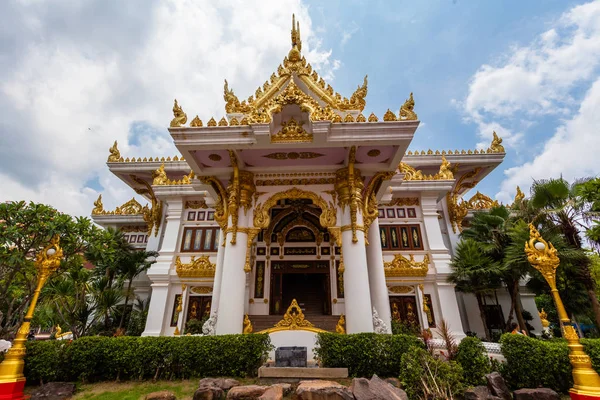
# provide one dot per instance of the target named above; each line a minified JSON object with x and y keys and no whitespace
{"x":130,"y":207}
{"x":115,"y":156}
{"x":495,"y":147}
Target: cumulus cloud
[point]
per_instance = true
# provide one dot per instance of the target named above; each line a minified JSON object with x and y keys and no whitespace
{"x":74,"y":77}
{"x":543,"y":79}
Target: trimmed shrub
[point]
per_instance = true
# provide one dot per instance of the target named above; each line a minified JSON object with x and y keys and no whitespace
{"x":532,"y":363}
{"x":105,"y":358}
{"x":428,"y":377}
{"x":474,"y":361}
{"x":364,"y":354}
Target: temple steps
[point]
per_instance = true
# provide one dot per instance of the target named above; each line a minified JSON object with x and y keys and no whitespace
{"x":325,"y":322}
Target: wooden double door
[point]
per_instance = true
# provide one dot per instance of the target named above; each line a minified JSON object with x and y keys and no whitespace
{"x":404,"y":309}
{"x":306,"y":281}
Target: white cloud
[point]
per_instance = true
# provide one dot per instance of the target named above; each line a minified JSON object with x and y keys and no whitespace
{"x":538,"y":79}
{"x":74,"y":79}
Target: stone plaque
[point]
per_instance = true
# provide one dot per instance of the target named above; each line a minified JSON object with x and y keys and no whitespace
{"x":290,"y":357}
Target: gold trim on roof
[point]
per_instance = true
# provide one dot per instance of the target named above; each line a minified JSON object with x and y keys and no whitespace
{"x":407,"y":109}
{"x":400,"y":266}
{"x":200,"y":267}
{"x":131,"y":207}
{"x":496,"y":146}
{"x":480,"y":201}
{"x":159,"y":178}
{"x":115,"y":154}
{"x":411,"y":174}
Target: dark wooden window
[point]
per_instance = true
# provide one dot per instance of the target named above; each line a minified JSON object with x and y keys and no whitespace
{"x":197,"y":240}
{"x":400,"y":237}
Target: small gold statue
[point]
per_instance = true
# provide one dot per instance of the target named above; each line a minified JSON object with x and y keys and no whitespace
{"x":496,"y":146}
{"x":98,"y":206}
{"x":445,"y":171}
{"x":407,"y":109}
{"x":180,"y":117}
{"x":341,"y":325}
{"x":395,"y":312}
{"x":247,"y":325}
{"x":115,"y":154}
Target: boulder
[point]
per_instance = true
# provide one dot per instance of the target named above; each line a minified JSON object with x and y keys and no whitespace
{"x":275,"y":392}
{"x":286,"y":387}
{"x":223,"y":383}
{"x":250,"y":392}
{"x":394,"y":381}
{"x":479,"y":393}
{"x":54,"y":391}
{"x":209,"y":392}
{"x":162,"y":395}
{"x":536,"y":394}
{"x":497,"y":386}
{"x":376,"y":389}
{"x":322,"y":390}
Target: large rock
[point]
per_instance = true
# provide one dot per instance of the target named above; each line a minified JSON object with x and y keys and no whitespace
{"x":536,"y":394}
{"x":286,"y":387}
{"x":54,"y":391}
{"x":376,"y":389}
{"x":322,"y":390}
{"x":479,"y":393}
{"x":250,"y":392}
{"x":275,"y":392}
{"x":209,"y":392}
{"x":394,"y":381}
{"x":223,"y":383}
{"x":162,"y":395}
{"x":497,"y":386}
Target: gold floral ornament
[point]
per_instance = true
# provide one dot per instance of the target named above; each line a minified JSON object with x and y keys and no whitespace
{"x":200,"y":267}
{"x":373,"y":118}
{"x":480,"y":201}
{"x":544,"y":258}
{"x":115,"y":154}
{"x":247,"y":325}
{"x":341,"y":325}
{"x":496,"y":146}
{"x":389,"y":116}
{"x":196,"y":122}
{"x":212,"y":122}
{"x":407,"y":110}
{"x":400,"y":266}
{"x":292,"y":132}
{"x":180,"y":118}
{"x":293,"y":320}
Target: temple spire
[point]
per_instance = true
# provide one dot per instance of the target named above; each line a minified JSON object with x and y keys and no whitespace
{"x":296,"y":33}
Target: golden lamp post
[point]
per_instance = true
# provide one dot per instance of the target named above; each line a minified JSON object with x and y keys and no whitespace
{"x":542,"y":256}
{"x":12,"y":380}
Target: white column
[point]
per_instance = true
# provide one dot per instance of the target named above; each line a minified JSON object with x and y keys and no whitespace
{"x":230,"y":318}
{"x":218,"y":275}
{"x":359,"y":314}
{"x":377,"y":284}
{"x":421,"y":308}
{"x":440,"y":258}
{"x":158,"y":313}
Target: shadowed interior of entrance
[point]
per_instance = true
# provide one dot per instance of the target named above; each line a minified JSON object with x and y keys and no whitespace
{"x":309,"y":290}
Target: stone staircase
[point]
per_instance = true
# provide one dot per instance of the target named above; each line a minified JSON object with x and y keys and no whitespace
{"x":325,"y":322}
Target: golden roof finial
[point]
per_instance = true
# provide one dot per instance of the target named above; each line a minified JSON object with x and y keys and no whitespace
{"x":445,"y":171}
{"x":115,"y":154}
{"x":496,"y":145}
{"x":98,"y":206}
{"x":519,"y":196}
{"x":180,"y":117}
{"x":407,"y":110}
{"x":296,"y":33}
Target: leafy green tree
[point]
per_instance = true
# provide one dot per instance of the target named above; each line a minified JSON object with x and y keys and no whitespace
{"x":559,"y":204}
{"x":473,"y":271}
{"x":25,"y":228}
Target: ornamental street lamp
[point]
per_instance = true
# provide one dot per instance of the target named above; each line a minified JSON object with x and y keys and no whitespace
{"x":12,"y":380}
{"x":543,"y":257}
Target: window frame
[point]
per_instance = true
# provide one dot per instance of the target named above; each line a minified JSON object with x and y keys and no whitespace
{"x":199,"y":233}
{"x":398,"y":229}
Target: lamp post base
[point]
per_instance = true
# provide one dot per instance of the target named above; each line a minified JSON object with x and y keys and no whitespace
{"x":578,"y":396}
{"x":12,"y":390}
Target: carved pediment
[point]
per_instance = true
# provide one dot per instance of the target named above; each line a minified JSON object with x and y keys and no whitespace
{"x":400,"y":266}
{"x":200,"y":267}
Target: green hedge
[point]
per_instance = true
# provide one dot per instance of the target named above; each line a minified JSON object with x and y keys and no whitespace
{"x":364,"y":354}
{"x":475,"y":363}
{"x":533,"y":362}
{"x":105,"y":358}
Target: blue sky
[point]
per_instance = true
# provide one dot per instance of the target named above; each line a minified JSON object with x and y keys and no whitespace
{"x":75,"y":76}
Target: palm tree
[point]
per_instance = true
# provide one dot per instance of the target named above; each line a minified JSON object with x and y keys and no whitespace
{"x":556,"y":203}
{"x":131,"y":265}
{"x":475,"y":272}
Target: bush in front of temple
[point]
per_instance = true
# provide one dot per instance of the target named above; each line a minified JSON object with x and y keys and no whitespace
{"x":365,"y":354}
{"x":104,"y":358}
{"x":475,"y":363}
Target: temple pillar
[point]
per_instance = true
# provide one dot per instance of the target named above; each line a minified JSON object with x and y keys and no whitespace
{"x":377,"y":284}
{"x":440,"y":259}
{"x":218,"y":274}
{"x":357,"y":297}
{"x":421,"y":306}
{"x":159,"y":272}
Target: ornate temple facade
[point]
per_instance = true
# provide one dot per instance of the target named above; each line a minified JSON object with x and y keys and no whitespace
{"x":298,"y":212}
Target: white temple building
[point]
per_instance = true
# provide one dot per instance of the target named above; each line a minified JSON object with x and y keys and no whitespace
{"x":299,"y":194}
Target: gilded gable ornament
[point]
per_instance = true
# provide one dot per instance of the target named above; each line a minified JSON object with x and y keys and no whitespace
{"x":389,"y":116}
{"x":159,"y":177}
{"x":132,"y":207}
{"x":196,"y":122}
{"x":180,"y":118}
{"x":292,"y":132}
{"x":407,"y":109}
{"x":400,"y":266}
{"x":496,"y":146}
{"x":115,"y":154}
{"x":200,"y":267}
{"x":444,"y":173}
{"x":480,"y":201}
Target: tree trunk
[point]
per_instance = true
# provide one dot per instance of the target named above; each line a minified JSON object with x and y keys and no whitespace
{"x":483,"y":318}
{"x":518,"y":310}
{"x":125,"y":307}
{"x":513,"y":300}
